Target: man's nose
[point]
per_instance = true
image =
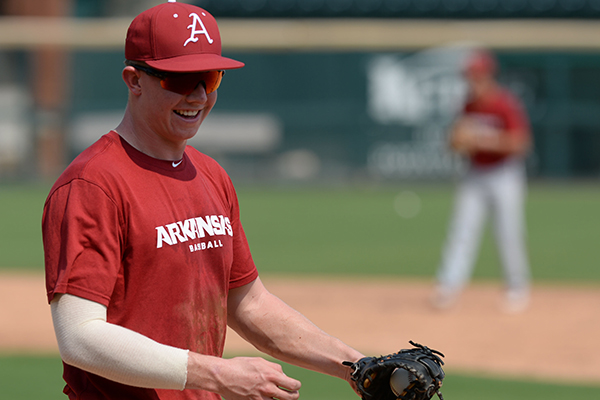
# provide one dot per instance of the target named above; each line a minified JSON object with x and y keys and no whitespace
{"x":199,"y":94}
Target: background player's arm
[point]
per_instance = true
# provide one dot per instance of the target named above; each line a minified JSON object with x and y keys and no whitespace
{"x":514,"y":143}
{"x":282,"y":332}
{"x":465,"y":139}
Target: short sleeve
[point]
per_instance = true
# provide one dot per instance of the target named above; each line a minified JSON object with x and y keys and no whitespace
{"x":82,"y":241}
{"x":515,"y":115}
{"x":243,"y":269}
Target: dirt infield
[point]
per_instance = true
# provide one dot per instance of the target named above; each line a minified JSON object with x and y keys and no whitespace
{"x":555,"y":339}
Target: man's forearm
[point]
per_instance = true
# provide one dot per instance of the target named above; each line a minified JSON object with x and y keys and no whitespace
{"x":282,"y":332}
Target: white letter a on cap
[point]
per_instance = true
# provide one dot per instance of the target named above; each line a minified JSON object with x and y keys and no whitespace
{"x":197,"y":21}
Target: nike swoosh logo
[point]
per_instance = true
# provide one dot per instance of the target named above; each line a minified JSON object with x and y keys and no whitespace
{"x":175,"y":165}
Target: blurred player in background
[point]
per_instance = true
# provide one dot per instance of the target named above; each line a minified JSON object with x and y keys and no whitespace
{"x":493,"y":132}
{"x":146,"y":259}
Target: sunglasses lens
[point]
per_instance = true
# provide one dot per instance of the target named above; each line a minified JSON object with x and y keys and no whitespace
{"x":187,"y":83}
{"x":213,"y":80}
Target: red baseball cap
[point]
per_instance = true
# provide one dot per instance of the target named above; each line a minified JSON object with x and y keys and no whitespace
{"x":177,"y":37}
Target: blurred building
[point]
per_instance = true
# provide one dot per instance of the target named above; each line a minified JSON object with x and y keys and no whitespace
{"x":334,"y":90}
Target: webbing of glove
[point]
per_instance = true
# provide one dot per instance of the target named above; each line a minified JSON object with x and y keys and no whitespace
{"x":372,"y":374}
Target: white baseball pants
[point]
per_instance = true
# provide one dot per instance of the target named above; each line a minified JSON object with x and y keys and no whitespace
{"x":500,"y":189}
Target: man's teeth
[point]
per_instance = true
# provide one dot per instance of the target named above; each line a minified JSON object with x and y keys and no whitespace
{"x":187,"y":113}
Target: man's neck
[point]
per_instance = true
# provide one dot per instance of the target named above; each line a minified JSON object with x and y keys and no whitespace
{"x":137,"y":136}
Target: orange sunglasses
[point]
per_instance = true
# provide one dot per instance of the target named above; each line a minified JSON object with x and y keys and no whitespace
{"x":183,"y":83}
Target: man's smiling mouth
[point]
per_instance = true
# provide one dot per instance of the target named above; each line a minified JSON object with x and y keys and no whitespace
{"x":187,"y":113}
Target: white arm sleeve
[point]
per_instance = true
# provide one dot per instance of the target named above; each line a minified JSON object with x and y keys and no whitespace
{"x":87,"y":341}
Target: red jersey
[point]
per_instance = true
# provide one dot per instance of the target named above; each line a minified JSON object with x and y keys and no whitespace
{"x":159,"y":243}
{"x":502,"y":113}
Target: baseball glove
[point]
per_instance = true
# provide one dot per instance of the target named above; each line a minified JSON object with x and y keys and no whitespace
{"x":423,"y":369}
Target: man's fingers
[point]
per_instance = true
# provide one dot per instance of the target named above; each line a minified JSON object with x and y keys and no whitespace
{"x":282,"y":380}
{"x":286,"y":394}
{"x":287,"y":388}
{"x":289,"y":384}
{"x":257,"y":378}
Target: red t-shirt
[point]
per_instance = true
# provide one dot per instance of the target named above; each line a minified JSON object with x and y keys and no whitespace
{"x":501,"y":113}
{"x":159,"y":244}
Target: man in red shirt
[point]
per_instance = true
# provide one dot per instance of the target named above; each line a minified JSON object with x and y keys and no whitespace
{"x":146,"y":259}
{"x":493,"y":133}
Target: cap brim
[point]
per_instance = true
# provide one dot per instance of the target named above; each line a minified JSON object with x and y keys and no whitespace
{"x":195,"y":63}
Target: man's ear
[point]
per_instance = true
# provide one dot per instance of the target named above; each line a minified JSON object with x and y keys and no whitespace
{"x":131,"y":77}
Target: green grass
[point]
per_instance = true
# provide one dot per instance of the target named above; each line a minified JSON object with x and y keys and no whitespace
{"x":20,"y":221}
{"x":343,"y":231}
{"x":564,"y":227}
{"x":31,"y":377}
{"x":39,"y":377}
{"x":358,"y":230}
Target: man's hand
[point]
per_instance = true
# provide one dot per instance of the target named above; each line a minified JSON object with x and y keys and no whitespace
{"x":462,"y":138}
{"x":241,"y":378}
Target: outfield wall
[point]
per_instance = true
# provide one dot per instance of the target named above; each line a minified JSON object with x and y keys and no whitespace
{"x":318,"y":99}
{"x":374,"y":113}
